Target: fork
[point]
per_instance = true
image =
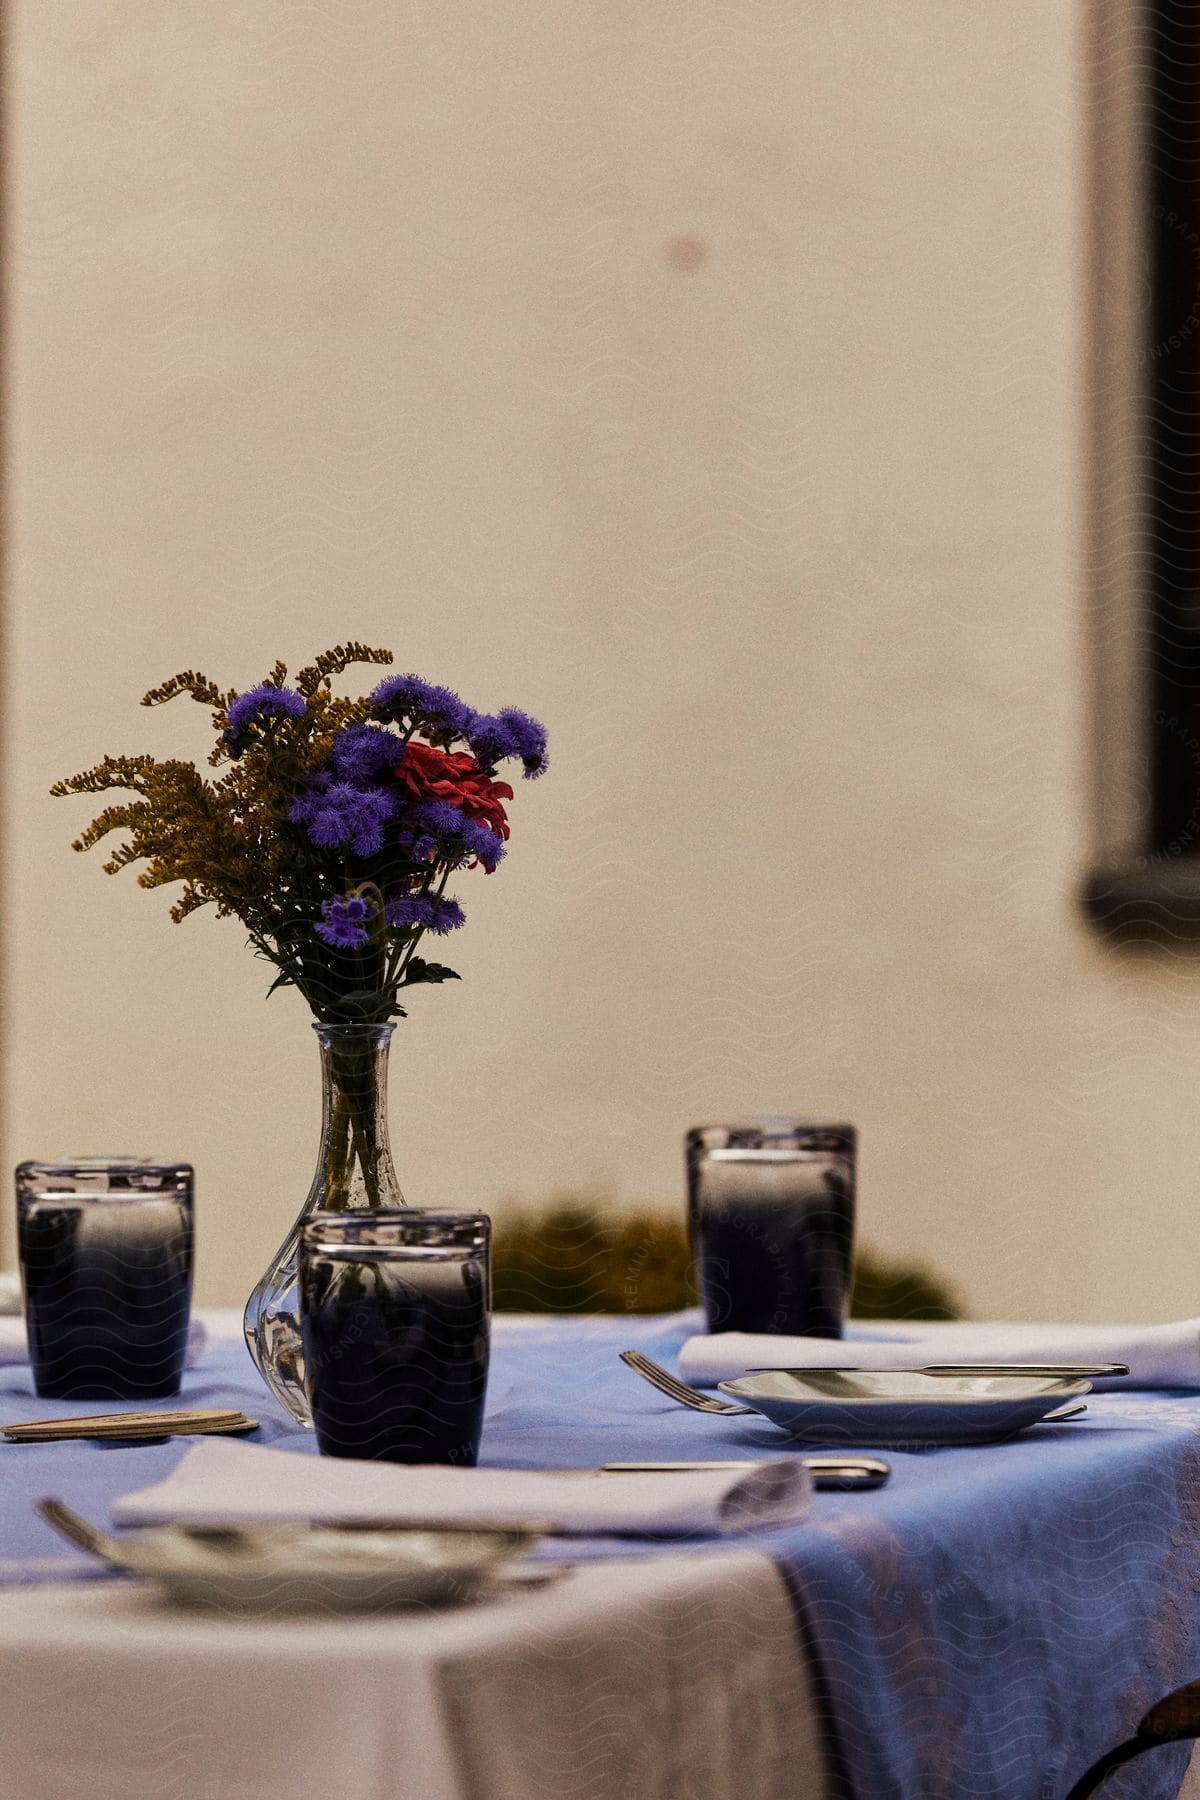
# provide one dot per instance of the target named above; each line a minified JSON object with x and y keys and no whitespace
{"x":689,"y":1396}
{"x":674,"y":1388}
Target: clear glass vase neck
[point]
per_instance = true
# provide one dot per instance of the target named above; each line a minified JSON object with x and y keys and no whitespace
{"x":354,"y":1173}
{"x":354,"y":1163}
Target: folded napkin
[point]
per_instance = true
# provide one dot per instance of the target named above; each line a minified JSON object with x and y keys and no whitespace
{"x":1159,"y":1356}
{"x":219,"y":1483}
{"x":15,"y":1349}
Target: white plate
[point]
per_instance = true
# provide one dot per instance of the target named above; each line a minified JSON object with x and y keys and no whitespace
{"x":277,"y":1568}
{"x":878,"y":1408}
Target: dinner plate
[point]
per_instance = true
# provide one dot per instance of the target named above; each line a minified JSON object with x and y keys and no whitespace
{"x":900,"y":1407}
{"x":281,"y":1568}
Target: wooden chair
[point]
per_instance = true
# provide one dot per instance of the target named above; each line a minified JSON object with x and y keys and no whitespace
{"x":1176,"y":1717}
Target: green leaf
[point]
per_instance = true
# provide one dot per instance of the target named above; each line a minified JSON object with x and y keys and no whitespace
{"x":283,"y":979}
{"x":419,"y":970}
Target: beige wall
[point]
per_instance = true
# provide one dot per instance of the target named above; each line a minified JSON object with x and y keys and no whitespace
{"x":704,"y":380}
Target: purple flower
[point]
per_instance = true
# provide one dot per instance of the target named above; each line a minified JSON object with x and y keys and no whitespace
{"x":428,"y":912}
{"x":482,"y":844}
{"x":448,"y":915}
{"x":455,"y":839}
{"x":440,"y":833}
{"x":420,"y":703}
{"x":361,"y":752}
{"x":489,"y":738}
{"x":494,"y":737}
{"x":409,"y":909}
{"x":342,"y":923}
{"x":441,"y":817}
{"x":417,"y":844}
{"x":528,"y":738}
{"x":262,"y":702}
{"x":334,"y":813}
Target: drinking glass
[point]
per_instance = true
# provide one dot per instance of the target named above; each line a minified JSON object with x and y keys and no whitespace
{"x":394,"y":1321}
{"x":771,"y":1220}
{"x":105,"y":1245}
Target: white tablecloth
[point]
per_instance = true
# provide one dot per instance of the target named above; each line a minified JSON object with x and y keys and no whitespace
{"x":668,"y":1679}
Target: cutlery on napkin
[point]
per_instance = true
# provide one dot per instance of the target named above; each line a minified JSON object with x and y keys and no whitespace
{"x":14,"y":1347}
{"x":1158,"y":1356}
{"x":219,"y":1483}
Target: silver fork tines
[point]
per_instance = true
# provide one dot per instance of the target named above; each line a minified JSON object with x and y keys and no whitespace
{"x":674,"y":1388}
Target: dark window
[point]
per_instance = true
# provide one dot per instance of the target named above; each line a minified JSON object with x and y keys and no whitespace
{"x":1173,"y":396}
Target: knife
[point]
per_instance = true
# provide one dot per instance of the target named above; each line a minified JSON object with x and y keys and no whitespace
{"x":836,"y":1473}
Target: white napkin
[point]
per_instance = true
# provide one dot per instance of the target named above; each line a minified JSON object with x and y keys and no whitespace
{"x":219,"y":1482}
{"x":14,"y":1347}
{"x":1159,"y":1356}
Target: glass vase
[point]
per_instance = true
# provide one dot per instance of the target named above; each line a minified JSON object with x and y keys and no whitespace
{"x":354,"y":1172}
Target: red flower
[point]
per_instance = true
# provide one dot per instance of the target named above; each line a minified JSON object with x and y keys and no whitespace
{"x":431,"y":774}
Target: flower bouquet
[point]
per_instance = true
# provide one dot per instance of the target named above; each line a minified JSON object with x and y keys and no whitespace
{"x":331,"y":834}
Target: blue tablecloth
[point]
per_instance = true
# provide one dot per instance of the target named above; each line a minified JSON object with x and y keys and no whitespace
{"x":985,"y":1625}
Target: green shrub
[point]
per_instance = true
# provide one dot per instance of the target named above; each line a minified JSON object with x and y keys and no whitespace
{"x":575,"y":1258}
